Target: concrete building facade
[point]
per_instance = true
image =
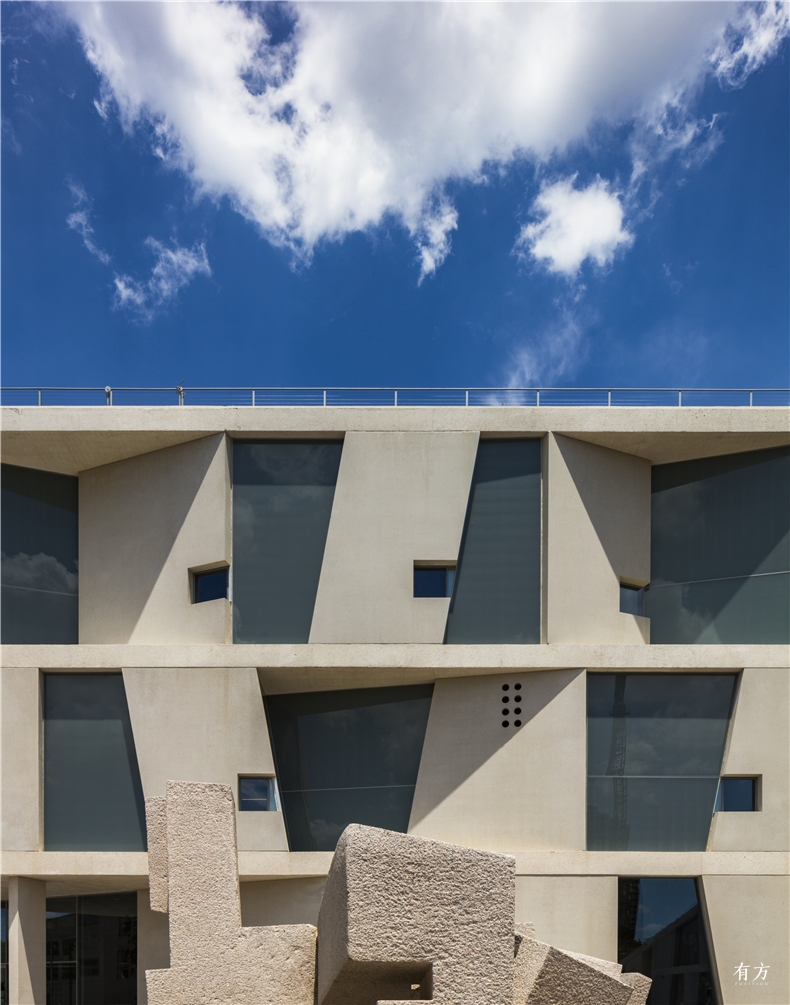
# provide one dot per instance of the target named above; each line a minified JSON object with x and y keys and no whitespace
{"x":558,"y":633}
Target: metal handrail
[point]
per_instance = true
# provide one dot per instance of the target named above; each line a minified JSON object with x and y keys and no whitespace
{"x":340,"y":396}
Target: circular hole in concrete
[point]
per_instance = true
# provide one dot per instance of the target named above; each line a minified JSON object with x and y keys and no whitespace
{"x":517,"y":722}
{"x":517,"y":687}
{"x":505,"y":687}
{"x":505,"y":723}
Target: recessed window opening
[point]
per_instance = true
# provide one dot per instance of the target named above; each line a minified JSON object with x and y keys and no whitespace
{"x":258,"y":793}
{"x":211,"y":584}
{"x":632,"y":600}
{"x":737,"y":795}
{"x":434,"y":580}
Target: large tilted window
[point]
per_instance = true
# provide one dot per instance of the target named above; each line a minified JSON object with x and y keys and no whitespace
{"x":282,"y":500}
{"x":496,"y":594}
{"x":347,"y":757}
{"x":93,"y":799}
{"x":39,"y":557}
{"x":721,"y":550}
{"x":660,"y":934}
{"x":655,"y":744}
{"x":92,"y":949}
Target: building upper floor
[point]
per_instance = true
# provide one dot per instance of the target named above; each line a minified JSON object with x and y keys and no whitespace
{"x":456,"y":526}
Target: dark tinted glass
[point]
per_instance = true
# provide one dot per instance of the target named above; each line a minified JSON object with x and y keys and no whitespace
{"x":737,"y":795}
{"x":256,"y":794}
{"x":497,"y":590}
{"x":39,"y":557}
{"x":93,"y":799}
{"x":721,"y":549}
{"x":632,"y":600}
{"x":433,"y":582}
{"x":660,"y":934}
{"x":347,"y":757}
{"x":654,"y":750}
{"x":211,"y":585}
{"x":92,"y":950}
{"x":282,"y":501}
{"x":3,"y":952}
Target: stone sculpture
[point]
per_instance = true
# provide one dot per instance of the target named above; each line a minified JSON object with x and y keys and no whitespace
{"x":212,"y":958}
{"x":402,"y":919}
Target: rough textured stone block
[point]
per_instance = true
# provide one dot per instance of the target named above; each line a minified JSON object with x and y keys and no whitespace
{"x":640,"y":985}
{"x":156,"y":827}
{"x":404,"y":918}
{"x":212,"y":958}
{"x":548,"y":976}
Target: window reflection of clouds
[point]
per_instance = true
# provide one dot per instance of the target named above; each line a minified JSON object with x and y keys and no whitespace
{"x":38,"y":572}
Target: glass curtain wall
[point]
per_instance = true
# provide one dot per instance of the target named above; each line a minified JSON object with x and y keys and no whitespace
{"x":282,"y":501}
{"x":92,"y":950}
{"x":39,"y":557}
{"x":655,"y":744}
{"x":93,"y":798}
{"x":660,"y":934}
{"x":347,"y":757}
{"x":496,"y":595}
{"x":720,"y":550}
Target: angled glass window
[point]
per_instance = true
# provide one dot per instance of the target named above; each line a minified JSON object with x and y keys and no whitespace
{"x":39,"y":557}
{"x":434,"y":580}
{"x":660,"y":934}
{"x":632,"y":600}
{"x":211,"y":585}
{"x":93,"y":798}
{"x":720,"y":550}
{"x":92,"y":949}
{"x":496,"y":597}
{"x":737,"y":795}
{"x":257,"y":794}
{"x":282,"y":501}
{"x":347,"y":757}
{"x":655,"y":744}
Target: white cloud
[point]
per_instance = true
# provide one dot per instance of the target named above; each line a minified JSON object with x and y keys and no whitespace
{"x":575,"y":224}
{"x":175,"y":267}
{"x":370,"y":110}
{"x":80,"y":221}
{"x":556,"y":352}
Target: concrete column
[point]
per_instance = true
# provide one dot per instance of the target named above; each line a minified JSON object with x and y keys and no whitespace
{"x":153,"y":943}
{"x":27,"y":941}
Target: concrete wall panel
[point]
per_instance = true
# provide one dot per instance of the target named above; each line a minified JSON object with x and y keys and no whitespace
{"x":400,"y":498}
{"x":749,"y":919}
{"x":505,"y":789}
{"x":281,"y":902}
{"x":21,"y":745}
{"x":597,"y":533}
{"x":204,"y":725}
{"x":144,"y":523}
{"x":575,"y":913}
{"x":759,"y":744}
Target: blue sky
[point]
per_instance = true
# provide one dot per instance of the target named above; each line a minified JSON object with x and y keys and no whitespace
{"x":395,"y":194}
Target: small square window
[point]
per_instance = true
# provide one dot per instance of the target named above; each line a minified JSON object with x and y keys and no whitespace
{"x":211,"y":585}
{"x":737,"y":795}
{"x":632,"y":600}
{"x":434,"y":580}
{"x":256,"y":793}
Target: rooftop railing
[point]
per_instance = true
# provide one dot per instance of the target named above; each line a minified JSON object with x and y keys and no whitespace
{"x":533,"y":397}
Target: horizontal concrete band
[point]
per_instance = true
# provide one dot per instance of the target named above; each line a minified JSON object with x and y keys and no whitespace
{"x":73,"y":439}
{"x":421,"y":662}
{"x":130,"y":869}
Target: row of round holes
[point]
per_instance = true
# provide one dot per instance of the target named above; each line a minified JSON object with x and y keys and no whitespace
{"x":506,"y":701}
